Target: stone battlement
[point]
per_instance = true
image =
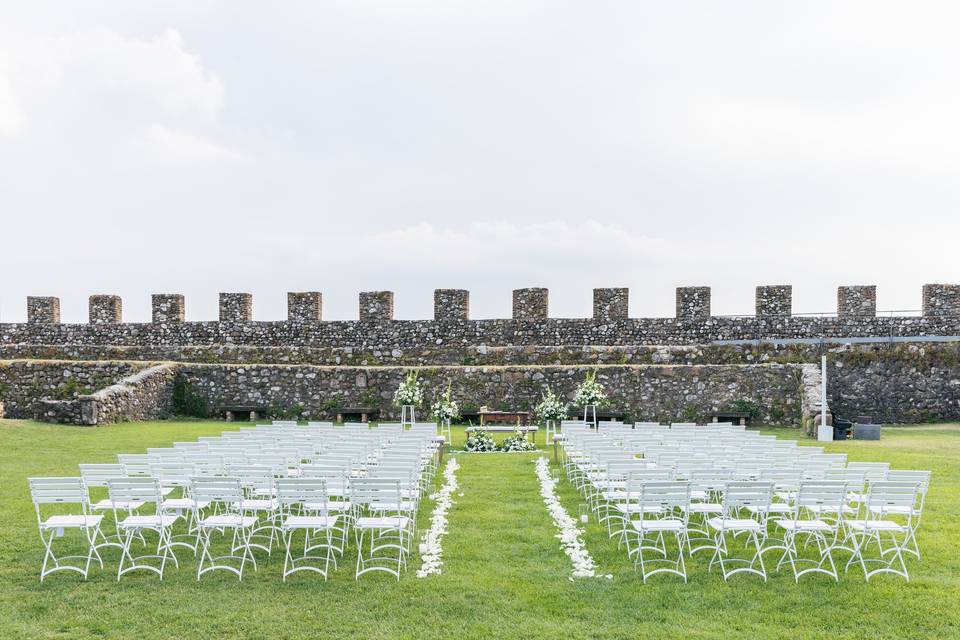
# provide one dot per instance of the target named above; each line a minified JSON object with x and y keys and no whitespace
{"x":451,"y":326}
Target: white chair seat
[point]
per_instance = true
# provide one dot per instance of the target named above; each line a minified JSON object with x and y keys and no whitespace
{"x":898,"y":510}
{"x":106,"y":504}
{"x":394,"y":522}
{"x":876,"y":525}
{"x":405,"y":505}
{"x":71,"y":522}
{"x":775,"y":507}
{"x":803,"y":525}
{"x":734,"y":524}
{"x":705,"y":507}
{"x":698,"y":494}
{"x":664,"y":524}
{"x":632,"y":508}
{"x":614,"y":496}
{"x":818,"y":509}
{"x":310,"y":522}
{"x":184,"y":503}
{"x":332,"y":505}
{"x":259,"y":504}
{"x":139,"y":522}
{"x":228,"y":520}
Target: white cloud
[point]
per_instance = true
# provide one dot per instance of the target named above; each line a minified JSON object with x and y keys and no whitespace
{"x":99,"y":70}
{"x":169,"y":145}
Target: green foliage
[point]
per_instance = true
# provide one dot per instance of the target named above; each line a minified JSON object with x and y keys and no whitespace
{"x":186,"y":401}
{"x":689,"y":413}
{"x":749,"y":407}
{"x":291,"y":412}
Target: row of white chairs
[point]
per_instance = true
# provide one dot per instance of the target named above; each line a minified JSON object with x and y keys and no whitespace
{"x":260,"y":486}
{"x":746,"y":485}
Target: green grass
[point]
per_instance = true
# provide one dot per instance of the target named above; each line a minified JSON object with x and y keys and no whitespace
{"x":504,"y":574}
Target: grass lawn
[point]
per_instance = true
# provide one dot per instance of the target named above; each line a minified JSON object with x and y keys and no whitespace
{"x":504,"y":574}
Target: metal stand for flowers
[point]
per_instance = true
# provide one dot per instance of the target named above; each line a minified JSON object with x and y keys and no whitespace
{"x":446,"y":432}
{"x":550,"y":429}
{"x":407,"y":416}
{"x":591,"y":411}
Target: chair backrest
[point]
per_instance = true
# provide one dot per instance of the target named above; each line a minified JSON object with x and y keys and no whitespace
{"x":822,"y":497}
{"x":310,"y":493}
{"x":886,"y":496}
{"x":874,"y":471}
{"x":135,"y":489}
{"x":225,"y":491}
{"x":366,"y":492}
{"x":96,"y":475}
{"x":910,"y":475}
{"x":58,"y":491}
{"x":671,"y":497}
{"x":741,"y":494}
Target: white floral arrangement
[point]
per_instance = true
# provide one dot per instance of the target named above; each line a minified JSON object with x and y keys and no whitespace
{"x":430,"y":548}
{"x":517,"y":442}
{"x":570,"y":536}
{"x":590,"y":392}
{"x":552,"y":407}
{"x":409,"y":392}
{"x":445,"y":408}
{"x":480,"y":441}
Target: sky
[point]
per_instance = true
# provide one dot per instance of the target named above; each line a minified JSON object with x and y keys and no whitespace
{"x":342,"y":146}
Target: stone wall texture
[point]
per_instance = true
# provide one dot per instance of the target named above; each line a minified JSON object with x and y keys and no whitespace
{"x":693,"y":304}
{"x":43,"y":310}
{"x":305,"y":306}
{"x":376,"y":306}
{"x":236,"y":307}
{"x":451,"y":304}
{"x":774,"y":301}
{"x":531,"y":304}
{"x":168,"y":307}
{"x":856,"y":301}
{"x":941,"y":300}
{"x":106,"y":309}
{"x":611,"y":304}
{"x":25,"y":383}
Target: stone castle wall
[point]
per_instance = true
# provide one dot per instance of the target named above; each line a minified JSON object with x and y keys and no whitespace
{"x":452,"y":328}
{"x":657,"y":368}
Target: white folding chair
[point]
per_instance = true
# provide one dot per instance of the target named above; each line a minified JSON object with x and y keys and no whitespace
{"x":127,"y":490}
{"x":64,"y":491}
{"x":303,"y":507}
{"x":95,"y":477}
{"x":885,"y":501}
{"x":377,"y":504}
{"x":812,"y":508}
{"x":923,"y":477}
{"x":225,"y":495}
{"x":737,"y":497}
{"x":662,"y":509}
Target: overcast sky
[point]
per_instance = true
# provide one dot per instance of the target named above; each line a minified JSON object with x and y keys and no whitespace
{"x":195,"y":147}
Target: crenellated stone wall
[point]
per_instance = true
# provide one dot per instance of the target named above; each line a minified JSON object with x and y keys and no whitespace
{"x":885,"y":380}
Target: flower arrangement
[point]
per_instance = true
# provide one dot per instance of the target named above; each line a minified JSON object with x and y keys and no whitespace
{"x":445,"y":408}
{"x":552,"y":407}
{"x":480,"y":441}
{"x":517,"y":442}
{"x":409,"y":392}
{"x":590,"y":392}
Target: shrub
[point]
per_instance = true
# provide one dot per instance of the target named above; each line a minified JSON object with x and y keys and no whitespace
{"x":186,"y":401}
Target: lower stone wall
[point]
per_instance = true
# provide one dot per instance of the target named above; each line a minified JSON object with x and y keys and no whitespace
{"x":24,"y":383}
{"x":646,"y":392}
{"x":907,"y":383}
{"x":144,"y":395}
